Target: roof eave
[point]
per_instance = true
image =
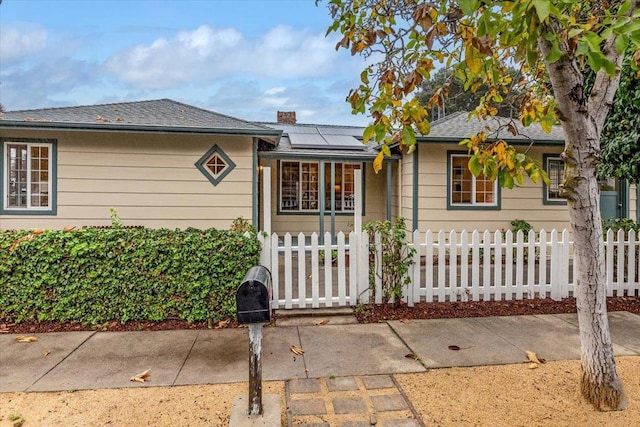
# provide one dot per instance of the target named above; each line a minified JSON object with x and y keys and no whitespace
{"x":106,"y":127}
{"x":367,"y":157}
{"x":440,"y":140}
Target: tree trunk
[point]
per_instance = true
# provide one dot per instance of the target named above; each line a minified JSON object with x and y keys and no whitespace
{"x":582,"y":120}
{"x":600,"y":384}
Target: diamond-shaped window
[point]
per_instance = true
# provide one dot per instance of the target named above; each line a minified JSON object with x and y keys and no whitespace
{"x":215,"y":165}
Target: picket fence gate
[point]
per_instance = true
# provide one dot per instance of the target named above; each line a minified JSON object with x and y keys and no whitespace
{"x":453,"y":266}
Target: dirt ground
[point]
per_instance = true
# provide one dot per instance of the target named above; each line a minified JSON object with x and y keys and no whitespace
{"x":510,"y":395}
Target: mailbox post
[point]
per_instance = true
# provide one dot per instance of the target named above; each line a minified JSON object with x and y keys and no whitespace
{"x":254,"y":309}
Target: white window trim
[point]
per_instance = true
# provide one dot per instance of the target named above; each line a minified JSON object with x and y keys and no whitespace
{"x":5,"y":177}
{"x":321,"y":198}
{"x":473,"y":187}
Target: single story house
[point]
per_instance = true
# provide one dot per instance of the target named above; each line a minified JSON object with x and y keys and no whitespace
{"x":158,"y":163}
{"x":163,"y":163}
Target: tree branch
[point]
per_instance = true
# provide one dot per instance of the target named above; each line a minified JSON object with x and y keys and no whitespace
{"x":605,"y":86}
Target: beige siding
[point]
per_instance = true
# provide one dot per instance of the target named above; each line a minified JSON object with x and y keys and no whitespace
{"x":150,"y":179}
{"x":633,"y":203}
{"x":396,"y":189}
{"x":375,"y":207}
{"x":406,"y":176}
{"x":519,"y":203}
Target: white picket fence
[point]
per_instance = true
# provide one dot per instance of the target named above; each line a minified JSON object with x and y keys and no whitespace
{"x":464,"y":266}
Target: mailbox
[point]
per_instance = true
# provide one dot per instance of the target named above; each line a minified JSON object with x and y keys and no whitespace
{"x":253,"y":296}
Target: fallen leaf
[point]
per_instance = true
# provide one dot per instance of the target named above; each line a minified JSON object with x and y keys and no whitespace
{"x":322,"y":322}
{"x":141,"y":377}
{"x":457,"y":347}
{"x":533,"y":365}
{"x":533,"y":357}
{"x":46,"y":353}
{"x":296,"y":350}
{"x":412,"y":356}
{"x":23,"y":338}
{"x":222,"y":324}
{"x":405,"y":321}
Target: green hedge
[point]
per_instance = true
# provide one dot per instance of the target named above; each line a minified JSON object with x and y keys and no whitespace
{"x":97,"y":275}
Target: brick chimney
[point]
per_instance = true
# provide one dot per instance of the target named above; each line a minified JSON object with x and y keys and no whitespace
{"x":287,"y":117}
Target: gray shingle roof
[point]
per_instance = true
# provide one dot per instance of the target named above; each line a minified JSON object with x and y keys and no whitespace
{"x":458,"y":126}
{"x":149,"y":115}
{"x":286,"y":149}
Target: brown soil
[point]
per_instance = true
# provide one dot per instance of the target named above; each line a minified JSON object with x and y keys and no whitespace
{"x":446,"y":310}
{"x":365,"y":314}
{"x":509,"y":395}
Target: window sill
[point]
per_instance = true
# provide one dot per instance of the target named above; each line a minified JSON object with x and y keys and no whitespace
{"x":473,"y":207}
{"x":19,"y":212}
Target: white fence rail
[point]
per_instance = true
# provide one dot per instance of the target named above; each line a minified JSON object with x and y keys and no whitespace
{"x":464,"y":266}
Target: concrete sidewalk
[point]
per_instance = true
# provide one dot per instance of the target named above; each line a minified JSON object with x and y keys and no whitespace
{"x":90,"y":360}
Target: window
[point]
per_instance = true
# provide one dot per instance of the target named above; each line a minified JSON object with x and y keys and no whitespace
{"x":300,"y":186}
{"x":215,"y":165}
{"x":28,"y":181}
{"x":555,"y":170}
{"x":465,"y":190}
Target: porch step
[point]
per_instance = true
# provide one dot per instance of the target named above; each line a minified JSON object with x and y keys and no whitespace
{"x":315,"y":316}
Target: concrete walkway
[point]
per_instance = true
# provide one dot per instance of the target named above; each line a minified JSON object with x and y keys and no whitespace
{"x":89,"y":360}
{"x":356,"y":356}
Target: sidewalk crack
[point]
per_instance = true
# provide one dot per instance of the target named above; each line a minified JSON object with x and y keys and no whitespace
{"x":186,"y":358}
{"x":62,"y":360}
{"x":411,"y":351}
{"x":304,"y":358}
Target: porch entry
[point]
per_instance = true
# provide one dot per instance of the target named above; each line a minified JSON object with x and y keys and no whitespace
{"x":329,"y":189}
{"x":614,"y":198}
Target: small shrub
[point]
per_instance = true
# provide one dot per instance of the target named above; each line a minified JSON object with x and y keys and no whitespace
{"x":241,"y":225}
{"x":521,"y":225}
{"x":395,"y":257}
{"x":624,"y":224}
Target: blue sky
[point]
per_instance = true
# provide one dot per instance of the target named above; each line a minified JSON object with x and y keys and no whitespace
{"x":244,"y":58}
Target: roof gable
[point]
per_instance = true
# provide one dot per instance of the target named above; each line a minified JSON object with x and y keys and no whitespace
{"x":458,"y":126}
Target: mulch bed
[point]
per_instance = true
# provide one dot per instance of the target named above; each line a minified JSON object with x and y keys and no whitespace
{"x":365,"y":314}
{"x":447,"y":310}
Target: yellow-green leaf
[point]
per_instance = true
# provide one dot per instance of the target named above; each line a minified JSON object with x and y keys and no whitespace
{"x":424,"y":127}
{"x":543,"y":8}
{"x":473,"y":60}
{"x":377,"y":162}
{"x":467,"y":6}
{"x":546,"y":125}
{"x":408,"y":136}
{"x":474,"y":165}
{"x":621,"y":43}
{"x":368,"y":133}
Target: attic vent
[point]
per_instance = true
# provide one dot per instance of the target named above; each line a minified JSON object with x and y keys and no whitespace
{"x":215,"y":165}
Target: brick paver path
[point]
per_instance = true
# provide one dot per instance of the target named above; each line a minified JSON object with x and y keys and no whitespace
{"x":348,"y":402}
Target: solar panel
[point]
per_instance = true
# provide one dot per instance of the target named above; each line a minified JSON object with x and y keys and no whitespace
{"x":351,"y":131}
{"x":305,"y":140}
{"x":285,"y":128}
{"x":344,"y":142}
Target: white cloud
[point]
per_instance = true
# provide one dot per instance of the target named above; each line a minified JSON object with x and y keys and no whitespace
{"x":206,"y":54}
{"x":19,"y":41}
{"x":275,"y":90}
{"x":204,"y":38}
